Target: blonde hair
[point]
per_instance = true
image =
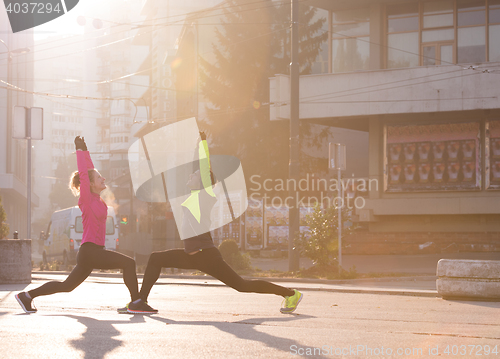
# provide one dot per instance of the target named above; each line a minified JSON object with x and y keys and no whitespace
{"x":74,"y":181}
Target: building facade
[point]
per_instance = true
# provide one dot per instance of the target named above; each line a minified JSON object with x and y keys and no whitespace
{"x":421,"y":78}
{"x":16,"y":70}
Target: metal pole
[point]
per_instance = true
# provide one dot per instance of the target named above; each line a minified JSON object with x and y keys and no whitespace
{"x":340,"y":203}
{"x":28,"y":182}
{"x":293,"y":211}
{"x":8,"y":141}
{"x":132,"y":216}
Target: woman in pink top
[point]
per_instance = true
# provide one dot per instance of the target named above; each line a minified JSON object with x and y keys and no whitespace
{"x":88,"y":183}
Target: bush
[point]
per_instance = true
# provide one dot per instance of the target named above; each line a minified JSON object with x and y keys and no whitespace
{"x":232,"y":255}
{"x":51,"y":266}
{"x":4,"y":227}
{"x":320,"y":242}
{"x":228,"y":248}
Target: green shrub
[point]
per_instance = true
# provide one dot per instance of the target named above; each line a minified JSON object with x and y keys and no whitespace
{"x":320,"y":242}
{"x":4,"y":227}
{"x":228,"y":247}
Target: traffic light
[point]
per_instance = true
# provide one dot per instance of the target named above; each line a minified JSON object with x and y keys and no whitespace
{"x":127,"y":224}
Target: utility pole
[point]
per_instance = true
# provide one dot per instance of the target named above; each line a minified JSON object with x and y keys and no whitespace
{"x":294,"y":164}
{"x":23,"y":129}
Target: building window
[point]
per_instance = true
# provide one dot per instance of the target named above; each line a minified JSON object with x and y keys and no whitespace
{"x":442,"y":32}
{"x":438,"y":33}
{"x":350,"y":40}
{"x":494,"y":30}
{"x":471,"y":31}
{"x":437,"y":157}
{"x":402,"y":37}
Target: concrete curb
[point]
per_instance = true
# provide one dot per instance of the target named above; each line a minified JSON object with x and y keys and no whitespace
{"x":273,"y":279}
{"x":302,"y":284}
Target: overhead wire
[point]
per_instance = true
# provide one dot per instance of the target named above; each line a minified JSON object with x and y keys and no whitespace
{"x":158,"y":27}
{"x":206,"y":10}
{"x":119,"y":78}
{"x":181,"y":19}
{"x":108,"y":81}
{"x":310,"y":97}
{"x":125,"y":76}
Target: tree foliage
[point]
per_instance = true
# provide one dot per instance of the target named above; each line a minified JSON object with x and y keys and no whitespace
{"x":4,"y":227}
{"x":320,"y":242}
{"x":252,"y":44}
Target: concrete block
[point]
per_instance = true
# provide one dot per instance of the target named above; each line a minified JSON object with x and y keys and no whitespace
{"x":468,"y":289}
{"x":15,"y":261}
{"x":469,"y":279}
{"x":468,"y":268}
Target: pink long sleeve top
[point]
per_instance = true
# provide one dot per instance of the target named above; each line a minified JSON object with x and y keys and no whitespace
{"x":94,"y":210}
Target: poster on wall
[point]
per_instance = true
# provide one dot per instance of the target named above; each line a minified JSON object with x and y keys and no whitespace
{"x":277,"y":237}
{"x":493,"y":142}
{"x":254,"y":235}
{"x":437,"y":157}
{"x":277,"y":227}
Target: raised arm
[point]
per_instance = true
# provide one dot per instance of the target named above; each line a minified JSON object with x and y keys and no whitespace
{"x":84,"y":165}
{"x":205,"y":166}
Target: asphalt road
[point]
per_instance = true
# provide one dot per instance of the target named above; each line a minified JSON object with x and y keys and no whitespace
{"x":204,"y":320}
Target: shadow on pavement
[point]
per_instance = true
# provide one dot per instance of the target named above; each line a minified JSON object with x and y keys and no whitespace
{"x":271,"y":341}
{"x":97,"y":341}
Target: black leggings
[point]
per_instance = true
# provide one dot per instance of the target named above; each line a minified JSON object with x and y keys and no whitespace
{"x":91,"y":256}
{"x":208,"y":261}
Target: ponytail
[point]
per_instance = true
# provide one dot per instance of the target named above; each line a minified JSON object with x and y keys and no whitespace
{"x":74,"y":181}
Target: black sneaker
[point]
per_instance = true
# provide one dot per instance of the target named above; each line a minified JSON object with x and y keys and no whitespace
{"x":141,"y":307}
{"x":25,"y":302}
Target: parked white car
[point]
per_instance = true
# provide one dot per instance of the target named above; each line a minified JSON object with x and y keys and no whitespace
{"x":64,"y":235}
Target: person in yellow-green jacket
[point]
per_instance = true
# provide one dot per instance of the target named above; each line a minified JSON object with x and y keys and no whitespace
{"x":199,"y":250}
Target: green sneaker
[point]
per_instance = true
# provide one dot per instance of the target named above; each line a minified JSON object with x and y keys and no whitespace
{"x":291,"y":302}
{"x":123,"y":310}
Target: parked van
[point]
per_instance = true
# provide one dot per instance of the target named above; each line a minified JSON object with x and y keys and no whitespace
{"x":64,"y":235}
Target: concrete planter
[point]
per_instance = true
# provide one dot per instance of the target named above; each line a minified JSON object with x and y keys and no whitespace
{"x":468,"y":279}
{"x":15,"y":261}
